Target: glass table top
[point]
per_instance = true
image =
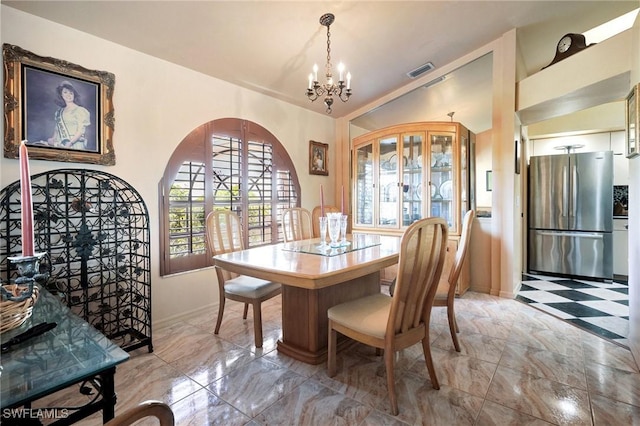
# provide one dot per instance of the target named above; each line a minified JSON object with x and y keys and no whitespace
{"x":314,"y":246}
{"x":71,"y":351}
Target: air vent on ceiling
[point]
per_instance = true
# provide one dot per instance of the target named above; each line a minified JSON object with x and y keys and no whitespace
{"x":421,"y":70}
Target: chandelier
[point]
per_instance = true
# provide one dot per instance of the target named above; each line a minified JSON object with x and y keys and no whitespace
{"x":329,"y":88}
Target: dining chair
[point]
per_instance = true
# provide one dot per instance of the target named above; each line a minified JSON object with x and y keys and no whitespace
{"x":446,"y":291}
{"x":224,"y":235}
{"x":296,"y":224}
{"x":315,"y":215}
{"x":161,"y":411}
{"x":397,"y":322}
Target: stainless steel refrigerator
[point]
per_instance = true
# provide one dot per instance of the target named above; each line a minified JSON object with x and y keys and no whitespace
{"x":571,"y":214}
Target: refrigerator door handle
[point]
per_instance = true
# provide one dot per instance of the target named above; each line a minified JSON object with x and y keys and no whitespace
{"x":574,"y":190}
{"x":596,"y":236}
{"x":565,"y":185}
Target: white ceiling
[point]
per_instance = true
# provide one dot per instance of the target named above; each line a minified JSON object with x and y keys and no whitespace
{"x":271,"y":46}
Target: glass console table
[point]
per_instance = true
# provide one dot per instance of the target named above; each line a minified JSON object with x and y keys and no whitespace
{"x":73,"y":352}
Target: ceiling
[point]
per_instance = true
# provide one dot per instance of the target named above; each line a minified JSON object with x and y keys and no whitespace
{"x":271,"y":46}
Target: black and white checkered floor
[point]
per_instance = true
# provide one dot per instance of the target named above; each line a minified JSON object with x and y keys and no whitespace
{"x":602,"y":308}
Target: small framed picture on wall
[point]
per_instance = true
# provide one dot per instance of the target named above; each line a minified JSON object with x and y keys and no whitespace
{"x":318,"y":158}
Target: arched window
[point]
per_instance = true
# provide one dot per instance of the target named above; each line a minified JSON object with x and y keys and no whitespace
{"x":227,"y":164}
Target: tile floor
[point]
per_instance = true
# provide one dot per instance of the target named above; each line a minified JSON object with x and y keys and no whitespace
{"x":518,"y":366}
{"x":600,"y":307}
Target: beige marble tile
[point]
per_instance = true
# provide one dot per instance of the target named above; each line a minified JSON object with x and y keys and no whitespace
{"x":419,"y":403}
{"x":542,"y":363}
{"x":459,"y":371}
{"x":609,"y":412}
{"x":314,"y":404}
{"x":252,"y":387}
{"x":534,"y":318}
{"x":183,"y":343}
{"x":479,"y":346}
{"x":616,"y":384}
{"x":360,"y":375}
{"x":204,"y":408}
{"x":70,"y":396}
{"x":246,"y":339}
{"x":299,"y":367}
{"x":256,"y":386}
{"x":167,"y":332}
{"x":604,"y":352}
{"x":207,"y":364}
{"x":554,"y":341}
{"x":377,"y":418}
{"x":538,"y":397}
{"x":147,"y":377}
{"x":504,"y":313}
{"x":493,"y":414}
{"x":483,"y":325}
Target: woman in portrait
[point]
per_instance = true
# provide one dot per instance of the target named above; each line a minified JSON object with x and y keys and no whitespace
{"x":71,"y":119}
{"x":318,"y":161}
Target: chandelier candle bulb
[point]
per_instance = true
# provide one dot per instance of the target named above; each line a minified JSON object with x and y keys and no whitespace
{"x":26,"y":202}
{"x":348,"y":81}
{"x":341,"y":71}
{"x":310,"y":81}
{"x":315,"y":72}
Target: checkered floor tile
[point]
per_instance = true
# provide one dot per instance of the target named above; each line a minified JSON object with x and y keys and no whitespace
{"x":602,"y":308}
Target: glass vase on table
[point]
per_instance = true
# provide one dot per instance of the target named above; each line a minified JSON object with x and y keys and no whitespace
{"x":343,"y":229}
{"x":323,"y":230}
{"x":334,"y":220}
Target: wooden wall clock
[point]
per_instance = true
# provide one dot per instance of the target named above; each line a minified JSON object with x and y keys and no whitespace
{"x":568,"y":45}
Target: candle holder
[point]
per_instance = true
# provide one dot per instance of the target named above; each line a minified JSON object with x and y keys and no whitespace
{"x":18,"y":299}
{"x":29,"y":270}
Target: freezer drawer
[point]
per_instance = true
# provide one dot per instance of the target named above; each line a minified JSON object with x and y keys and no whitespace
{"x":585,"y":254}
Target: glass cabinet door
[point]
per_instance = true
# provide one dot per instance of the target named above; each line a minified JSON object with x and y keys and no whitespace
{"x":364,"y":185}
{"x":412,"y":178}
{"x":441,"y":181}
{"x":388,"y":183}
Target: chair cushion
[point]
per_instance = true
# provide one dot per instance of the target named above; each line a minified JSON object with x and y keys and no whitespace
{"x":367,"y":315}
{"x":243,"y":285}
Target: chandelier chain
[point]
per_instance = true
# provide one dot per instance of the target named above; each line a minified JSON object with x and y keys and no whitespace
{"x":328,"y":66}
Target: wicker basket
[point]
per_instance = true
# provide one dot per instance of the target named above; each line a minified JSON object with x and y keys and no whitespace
{"x":14,"y":314}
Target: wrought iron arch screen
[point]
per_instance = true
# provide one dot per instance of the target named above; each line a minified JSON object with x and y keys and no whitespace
{"x":94,"y":227}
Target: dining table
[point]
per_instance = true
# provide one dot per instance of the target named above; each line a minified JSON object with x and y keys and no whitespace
{"x":315,"y":275}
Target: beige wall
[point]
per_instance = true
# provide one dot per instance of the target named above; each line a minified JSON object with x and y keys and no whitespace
{"x":157,"y":104}
{"x":634,"y":215}
{"x":601,"y":118}
{"x":483,"y":164}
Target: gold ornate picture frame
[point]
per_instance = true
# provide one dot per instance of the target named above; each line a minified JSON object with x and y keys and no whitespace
{"x":63,"y":111}
{"x":318,"y":158}
{"x":632,"y":120}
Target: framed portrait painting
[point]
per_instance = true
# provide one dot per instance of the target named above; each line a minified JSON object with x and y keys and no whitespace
{"x":318,"y":158}
{"x":632,"y":121}
{"x":63,"y":111}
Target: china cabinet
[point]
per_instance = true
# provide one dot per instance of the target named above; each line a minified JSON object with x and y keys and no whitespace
{"x":409,"y":171}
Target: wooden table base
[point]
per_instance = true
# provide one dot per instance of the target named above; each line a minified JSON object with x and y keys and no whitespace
{"x":304,"y":316}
